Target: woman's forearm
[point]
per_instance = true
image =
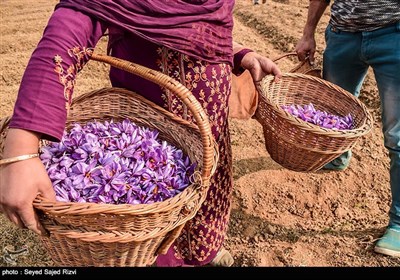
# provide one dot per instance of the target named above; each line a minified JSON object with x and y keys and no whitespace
{"x":20,"y":142}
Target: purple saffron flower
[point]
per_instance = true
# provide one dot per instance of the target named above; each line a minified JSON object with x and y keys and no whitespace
{"x":115,"y":162}
{"x":309,"y":114}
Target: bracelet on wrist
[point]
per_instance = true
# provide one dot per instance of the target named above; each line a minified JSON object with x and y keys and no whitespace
{"x":17,"y":158}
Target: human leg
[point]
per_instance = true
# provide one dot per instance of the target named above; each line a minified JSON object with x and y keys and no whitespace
{"x":343,"y":66}
{"x":385,"y":61}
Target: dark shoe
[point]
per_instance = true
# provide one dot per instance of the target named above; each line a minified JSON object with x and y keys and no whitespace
{"x":389,"y":243}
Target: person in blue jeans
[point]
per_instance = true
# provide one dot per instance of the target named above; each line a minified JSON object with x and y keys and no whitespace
{"x":363,"y":34}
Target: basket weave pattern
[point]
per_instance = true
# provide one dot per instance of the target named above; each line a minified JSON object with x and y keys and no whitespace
{"x":90,"y":234}
{"x":299,"y":145}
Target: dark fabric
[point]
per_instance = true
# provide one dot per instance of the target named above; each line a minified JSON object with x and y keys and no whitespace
{"x":368,"y":15}
{"x":202,"y":29}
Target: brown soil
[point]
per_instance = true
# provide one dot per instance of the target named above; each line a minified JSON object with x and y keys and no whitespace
{"x":280,"y":218}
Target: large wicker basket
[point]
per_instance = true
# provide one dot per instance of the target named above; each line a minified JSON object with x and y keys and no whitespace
{"x":298,"y":145}
{"x":89,"y":234}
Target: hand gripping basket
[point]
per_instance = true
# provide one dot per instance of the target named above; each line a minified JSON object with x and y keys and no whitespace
{"x":298,"y":145}
{"x":89,"y":234}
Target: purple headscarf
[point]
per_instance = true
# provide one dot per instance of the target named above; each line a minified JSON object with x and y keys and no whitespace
{"x":201,"y":28}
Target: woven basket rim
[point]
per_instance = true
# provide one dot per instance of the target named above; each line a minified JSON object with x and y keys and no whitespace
{"x":359,"y":131}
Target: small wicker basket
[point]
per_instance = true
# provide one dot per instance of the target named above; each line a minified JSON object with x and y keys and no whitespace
{"x":90,"y":234}
{"x":298,"y":145}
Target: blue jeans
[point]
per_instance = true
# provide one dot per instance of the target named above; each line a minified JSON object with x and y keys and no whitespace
{"x":346,"y":60}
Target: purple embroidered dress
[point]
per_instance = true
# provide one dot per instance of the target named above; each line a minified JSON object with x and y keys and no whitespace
{"x":187,"y":40}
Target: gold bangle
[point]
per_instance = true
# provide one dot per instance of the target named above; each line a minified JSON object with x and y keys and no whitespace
{"x":17,"y":158}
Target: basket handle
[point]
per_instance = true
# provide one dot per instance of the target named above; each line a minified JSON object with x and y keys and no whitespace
{"x":299,"y":68}
{"x":284,"y":55}
{"x":185,"y":95}
{"x":306,"y":60}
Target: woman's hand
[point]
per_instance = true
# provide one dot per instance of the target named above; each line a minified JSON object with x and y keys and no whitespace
{"x":260,"y":66}
{"x":22,"y":181}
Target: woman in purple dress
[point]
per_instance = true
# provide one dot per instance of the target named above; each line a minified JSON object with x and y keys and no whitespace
{"x":190,"y":41}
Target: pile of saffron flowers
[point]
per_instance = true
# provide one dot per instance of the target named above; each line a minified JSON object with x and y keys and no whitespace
{"x":116,"y":163}
{"x":321,"y":118}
